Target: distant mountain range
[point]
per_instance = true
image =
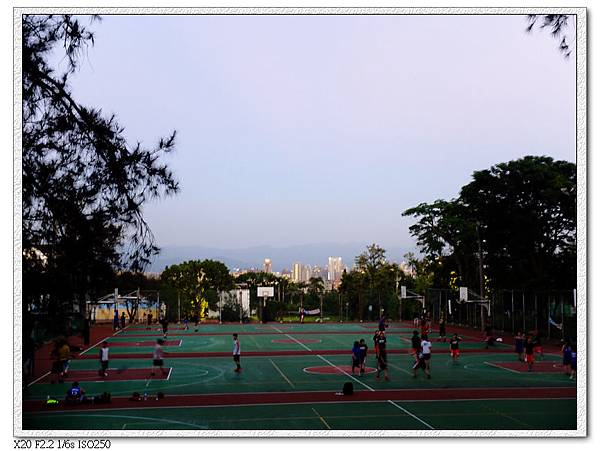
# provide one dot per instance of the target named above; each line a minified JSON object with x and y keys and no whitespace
{"x":281,"y":257}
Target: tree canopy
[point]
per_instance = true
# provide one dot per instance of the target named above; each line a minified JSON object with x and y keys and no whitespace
{"x":84,"y":184}
{"x":557,"y":24}
{"x":193,"y":279}
{"x":522,"y":215}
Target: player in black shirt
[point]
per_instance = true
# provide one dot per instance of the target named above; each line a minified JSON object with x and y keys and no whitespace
{"x":442,"y":329}
{"x":454,"y":351}
{"x":375,"y":338}
{"x":420,"y":363}
{"x":489,"y":336}
{"x":362,"y":346}
{"x":416,"y":343}
{"x":382,"y":356}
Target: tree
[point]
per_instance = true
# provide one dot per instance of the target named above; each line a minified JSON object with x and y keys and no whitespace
{"x":316,"y":285}
{"x":253,"y":280}
{"x":129,"y":282}
{"x":194,"y":278}
{"x":84,"y":185}
{"x":446,"y":234}
{"x":526,"y":210}
{"x":517,"y":218}
{"x":352,"y":286}
{"x":558,"y":25}
{"x":370,"y":262}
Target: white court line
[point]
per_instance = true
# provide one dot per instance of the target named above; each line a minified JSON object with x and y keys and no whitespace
{"x":219,"y":406}
{"x":325,"y":360}
{"x":292,"y":338}
{"x":169,"y":375}
{"x":48,"y":372}
{"x":282,"y":375}
{"x":152,"y":420}
{"x":502,"y":368}
{"x":347,"y":374}
{"x":400,"y":369}
{"x":38,"y":379}
{"x":412,"y":415}
{"x":116,"y":333}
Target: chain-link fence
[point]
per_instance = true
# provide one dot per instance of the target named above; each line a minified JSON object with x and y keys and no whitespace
{"x":551,"y":312}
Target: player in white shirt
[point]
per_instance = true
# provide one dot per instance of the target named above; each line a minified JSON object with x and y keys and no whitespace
{"x":426,"y":350}
{"x":104,"y":360}
{"x":157,"y":357}
{"x":236,"y":353}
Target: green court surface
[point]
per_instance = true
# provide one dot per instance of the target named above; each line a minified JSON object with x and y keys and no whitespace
{"x":484,"y":414}
{"x":276,"y":390}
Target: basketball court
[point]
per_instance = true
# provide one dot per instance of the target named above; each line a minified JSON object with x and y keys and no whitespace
{"x":292,"y":379}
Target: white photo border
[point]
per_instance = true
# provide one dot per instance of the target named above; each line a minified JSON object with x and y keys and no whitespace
{"x":582,"y":258}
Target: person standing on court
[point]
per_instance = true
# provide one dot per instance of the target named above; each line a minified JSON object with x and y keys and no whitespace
{"x":529,"y":356}
{"x":442,"y":329}
{"x":158,"y":357}
{"x":382,"y":356}
{"x":164,"y":322}
{"x":426,"y":351}
{"x":416,"y":344}
{"x":116,"y":320}
{"x":363,"y":355}
{"x":104,"y":359}
{"x":236,"y":353}
{"x":382,"y":324}
{"x":122,"y":320}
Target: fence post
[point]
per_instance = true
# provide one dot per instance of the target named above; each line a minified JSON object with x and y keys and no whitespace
{"x":523,"y":314}
{"x":562,"y":316}
{"x":503,"y":315}
{"x":512,"y":308}
{"x":548,"y":319}
{"x":535,"y":309}
{"x":440,"y":306}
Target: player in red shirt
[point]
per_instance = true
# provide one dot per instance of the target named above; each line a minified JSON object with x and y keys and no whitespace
{"x":375,"y":344}
{"x":529,"y":353}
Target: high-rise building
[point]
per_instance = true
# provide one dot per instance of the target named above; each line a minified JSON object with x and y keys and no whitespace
{"x":317,"y":271}
{"x":334,"y":269}
{"x":297,"y":272}
{"x":306,"y":273}
{"x":267,"y":265}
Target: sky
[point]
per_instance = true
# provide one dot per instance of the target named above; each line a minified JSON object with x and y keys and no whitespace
{"x":306,"y":129}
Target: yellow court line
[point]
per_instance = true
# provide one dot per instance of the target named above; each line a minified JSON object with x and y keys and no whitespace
{"x":281,"y":372}
{"x":321,"y":418}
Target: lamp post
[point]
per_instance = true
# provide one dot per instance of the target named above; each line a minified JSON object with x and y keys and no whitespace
{"x":480,"y":254}
{"x":220,"y":307}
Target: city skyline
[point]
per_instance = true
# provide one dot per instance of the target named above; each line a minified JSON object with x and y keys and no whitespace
{"x":315,"y":254}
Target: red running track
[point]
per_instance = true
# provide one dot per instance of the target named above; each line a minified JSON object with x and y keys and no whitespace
{"x":236,"y":399}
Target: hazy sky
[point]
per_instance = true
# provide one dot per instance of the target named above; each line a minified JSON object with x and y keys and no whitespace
{"x":303,"y":129}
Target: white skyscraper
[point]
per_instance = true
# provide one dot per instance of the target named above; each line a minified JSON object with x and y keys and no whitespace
{"x":297,"y":272}
{"x":334,"y":269}
{"x":267,"y":265}
{"x":306,"y":273}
